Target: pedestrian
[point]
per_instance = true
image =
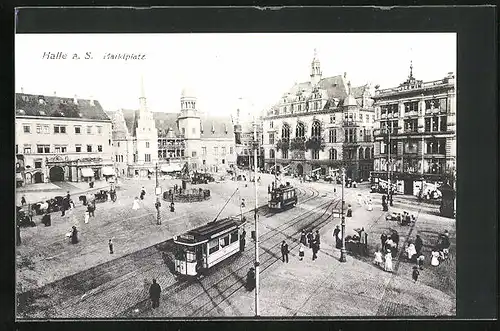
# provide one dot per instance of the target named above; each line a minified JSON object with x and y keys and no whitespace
{"x":89,"y":209}
{"x":18,"y":234}
{"x":309,"y":238}
{"x":154,"y":294}
{"x":415,"y":274}
{"x":362,"y":240}
{"x":336,"y":235}
{"x":411,"y":251}
{"x":250,"y":283}
{"x":301,"y":251}
{"x":383,"y":240}
{"x":369,"y":205}
{"x":172,"y":207}
{"x":136,"y":204}
{"x":46,"y":219}
{"x":143,"y":193}
{"x":420,"y":261}
{"x":303,"y":239}
{"x":63,"y":208}
{"x":74,"y":235}
{"x":242,"y":203}
{"x":284,"y":251}
{"x":110,"y":244}
{"x":388,"y":261}
{"x":243,"y":240}
{"x":316,"y":238}
{"x":23,"y":200}
{"x":434,"y":257}
{"x":315,"y":249}
{"x":87,"y":216}
{"x":418,"y":245}
{"x":395,"y":238}
{"x":378,"y":258}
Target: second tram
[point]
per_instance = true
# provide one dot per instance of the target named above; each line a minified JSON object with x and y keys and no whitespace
{"x":282,"y":197}
{"x":207,"y":245}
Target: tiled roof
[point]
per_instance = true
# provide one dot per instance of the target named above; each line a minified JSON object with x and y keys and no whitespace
{"x":54,"y":106}
{"x":166,"y":121}
{"x":120,"y":130}
{"x":216,"y":127}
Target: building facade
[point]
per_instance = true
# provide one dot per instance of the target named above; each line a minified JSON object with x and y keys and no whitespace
{"x":61,"y":139}
{"x":321,"y":126}
{"x":415,"y":131}
{"x":142,"y":139}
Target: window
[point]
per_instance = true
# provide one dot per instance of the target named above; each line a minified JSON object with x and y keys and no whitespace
{"x":135,"y":160}
{"x":60,"y":149}
{"x":89,"y":130}
{"x":118,"y":144}
{"x":147,"y":144}
{"x":360,"y":154}
{"x":285,"y":154}
{"x":435,"y":124}
{"x":271,"y":138}
{"x":332,"y":137}
{"x":38,"y":128}
{"x":27,"y":150}
{"x":46,"y":129}
{"x":271,"y":124}
{"x":223,"y":161}
{"x":17,"y":149}
{"x":436,"y":146}
{"x":213,"y":246}
{"x":350,"y":135}
{"x":59,"y":129}
{"x":78,"y":129}
{"x":99,"y":148}
{"x":223,"y":150}
{"x":300,"y":131}
{"x":332,"y":119}
{"x":121,"y":158}
{"x":116,"y":158}
{"x":367,"y":153}
{"x":38,"y":164}
{"x":443,"y":123}
{"x":43,"y":149}
{"x":99,"y":129}
{"x":89,"y":148}
{"x":204,"y":151}
{"x":411,"y":125}
{"x":316,"y":129}
{"x":27,"y":128}
{"x":411,"y":106}
{"x":410,"y":147}
{"x":147,"y":157}
{"x":285,"y":131}
{"x":216,"y":150}
{"x":78,"y":148}
{"x":193,"y":153}
{"x":230,"y":150}
{"x":234,"y":237}
{"x":315,"y":154}
{"x":183,"y":131}
{"x":272,"y":154}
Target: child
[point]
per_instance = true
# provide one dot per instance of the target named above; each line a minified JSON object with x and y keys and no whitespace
{"x":420,"y":261}
{"x":87,"y":216}
{"x":301,"y":252}
{"x":110,"y":244}
{"x":415,"y":274}
{"x":378,"y":258}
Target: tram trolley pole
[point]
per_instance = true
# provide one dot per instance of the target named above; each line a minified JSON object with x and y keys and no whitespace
{"x":158,"y":203}
{"x":343,"y":250}
{"x":257,"y":263}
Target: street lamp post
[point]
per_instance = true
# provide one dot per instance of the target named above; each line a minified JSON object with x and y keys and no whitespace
{"x":257,"y":263}
{"x":388,"y":163}
{"x":343,"y":250}
{"x":158,"y":216}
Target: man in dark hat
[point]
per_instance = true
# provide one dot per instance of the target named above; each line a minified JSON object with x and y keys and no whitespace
{"x":383,"y":239}
{"x":154,"y":294}
{"x":418,"y":245}
{"x":316,"y":238}
{"x":74,"y":235}
{"x":46,"y":219}
{"x":18,"y":234}
{"x":23,"y":200}
{"x":338,"y":241}
{"x":309,"y":238}
{"x":243,"y":240}
{"x":303,"y":239}
{"x":250,"y":283}
{"x":284,"y":251}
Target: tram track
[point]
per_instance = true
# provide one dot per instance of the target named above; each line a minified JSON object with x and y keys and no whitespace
{"x":94,"y":281}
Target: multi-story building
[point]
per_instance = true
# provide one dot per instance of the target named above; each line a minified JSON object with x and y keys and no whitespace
{"x":321,"y":125}
{"x":244,"y":138}
{"x":142,"y":139}
{"x":415,"y":130}
{"x":61,"y":139}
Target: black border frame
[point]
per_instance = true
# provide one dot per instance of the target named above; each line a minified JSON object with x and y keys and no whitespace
{"x":477,"y":88}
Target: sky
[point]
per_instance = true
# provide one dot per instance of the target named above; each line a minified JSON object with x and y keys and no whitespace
{"x":225,"y":71}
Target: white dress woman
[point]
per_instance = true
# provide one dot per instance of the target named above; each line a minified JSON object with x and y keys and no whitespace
{"x":87,"y":216}
{"x":369,"y":205}
{"x":388,"y":261}
{"x":410,"y":250}
{"x":136,"y":204}
{"x":435,"y":258}
{"x":378,"y":258}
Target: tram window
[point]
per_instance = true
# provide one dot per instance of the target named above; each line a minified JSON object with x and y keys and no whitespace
{"x":234,"y":236}
{"x":179,"y":255}
{"x":190,"y":255}
{"x":224,"y":241}
{"x":213,"y":246}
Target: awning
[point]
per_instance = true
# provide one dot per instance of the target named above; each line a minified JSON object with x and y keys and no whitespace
{"x":171,"y":167}
{"x":108,"y":171}
{"x":87,"y":172}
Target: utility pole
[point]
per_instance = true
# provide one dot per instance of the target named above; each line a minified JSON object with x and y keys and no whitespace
{"x":275,"y":170}
{"x":158,"y":204}
{"x":343,"y":250}
{"x":422,"y":188}
{"x":388,"y":162}
{"x":257,"y":263}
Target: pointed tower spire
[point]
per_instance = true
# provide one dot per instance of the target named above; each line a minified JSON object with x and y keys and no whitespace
{"x":315,"y":69}
{"x":143,"y":93}
{"x":411,"y":70}
{"x":142,"y":97}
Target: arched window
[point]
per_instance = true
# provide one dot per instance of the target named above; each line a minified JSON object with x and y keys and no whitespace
{"x":285,"y":131}
{"x":360,"y":153}
{"x":284,"y":109}
{"x":316,"y":129}
{"x":271,"y":153}
{"x":367,"y":153}
{"x":333,"y":154}
{"x":300,"y":131}
{"x":371,"y":153}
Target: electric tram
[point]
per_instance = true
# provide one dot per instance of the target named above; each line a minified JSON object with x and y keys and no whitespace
{"x":207,"y":245}
{"x":282,"y":197}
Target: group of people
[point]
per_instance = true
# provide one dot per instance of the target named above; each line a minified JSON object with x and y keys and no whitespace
{"x":387,"y":199}
{"x":311,"y":241}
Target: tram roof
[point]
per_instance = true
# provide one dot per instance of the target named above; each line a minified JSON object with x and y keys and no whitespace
{"x":204,"y":232}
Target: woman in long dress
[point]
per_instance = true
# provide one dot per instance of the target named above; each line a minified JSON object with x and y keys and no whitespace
{"x":136,"y":204}
{"x":410,"y":250}
{"x":434,"y":258}
{"x":388,"y":261}
{"x":369,"y":205}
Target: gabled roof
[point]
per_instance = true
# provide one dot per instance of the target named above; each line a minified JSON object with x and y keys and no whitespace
{"x":216,"y":126}
{"x":54,"y":106}
{"x":166,"y":121}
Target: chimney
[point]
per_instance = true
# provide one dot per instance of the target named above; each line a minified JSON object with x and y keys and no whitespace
{"x":22,"y":89}
{"x":55,"y":93}
{"x":75,"y":100}
{"x":92,"y":100}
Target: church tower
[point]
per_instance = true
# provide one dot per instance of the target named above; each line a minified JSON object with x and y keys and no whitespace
{"x":315,"y":69}
{"x":189,"y":122}
{"x":146,"y":133}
